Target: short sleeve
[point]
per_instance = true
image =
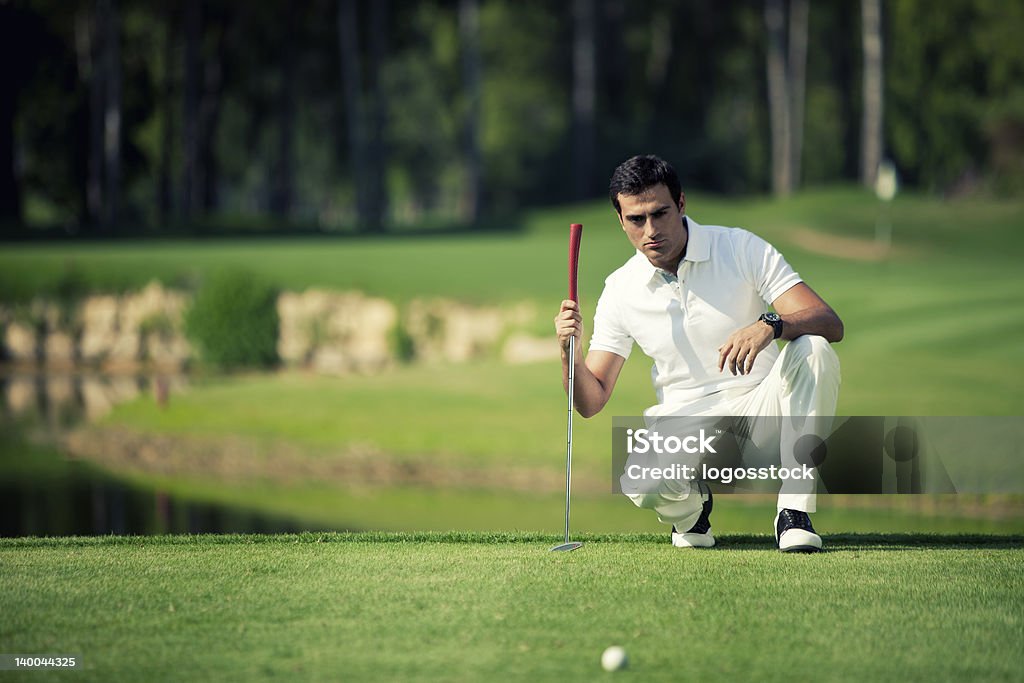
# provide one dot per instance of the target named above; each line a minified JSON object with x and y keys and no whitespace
{"x":769,"y":270}
{"x":609,"y":329}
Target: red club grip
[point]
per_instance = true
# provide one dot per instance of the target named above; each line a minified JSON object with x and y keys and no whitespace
{"x":575,"y":235}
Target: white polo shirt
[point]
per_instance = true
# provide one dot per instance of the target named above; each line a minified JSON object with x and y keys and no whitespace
{"x":726,"y":280}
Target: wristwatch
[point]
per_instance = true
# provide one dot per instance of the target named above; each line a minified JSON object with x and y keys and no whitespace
{"x":774,"y":320}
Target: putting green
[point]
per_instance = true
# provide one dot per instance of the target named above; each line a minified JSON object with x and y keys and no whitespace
{"x":385,"y":607}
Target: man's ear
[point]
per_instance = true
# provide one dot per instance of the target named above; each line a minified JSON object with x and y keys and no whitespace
{"x":618,"y":215}
{"x":682,"y":202}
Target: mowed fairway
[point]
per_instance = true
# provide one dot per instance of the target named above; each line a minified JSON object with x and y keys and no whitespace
{"x":501,"y":607}
{"x":934,"y":328}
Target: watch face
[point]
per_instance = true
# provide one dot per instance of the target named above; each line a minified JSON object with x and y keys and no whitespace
{"x":775,"y":321}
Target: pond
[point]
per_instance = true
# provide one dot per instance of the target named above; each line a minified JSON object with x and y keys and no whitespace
{"x":46,"y":492}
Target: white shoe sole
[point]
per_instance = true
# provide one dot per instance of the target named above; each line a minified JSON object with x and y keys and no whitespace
{"x":693,"y":540}
{"x":797,"y":540}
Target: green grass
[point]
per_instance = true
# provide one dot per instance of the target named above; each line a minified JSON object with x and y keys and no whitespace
{"x":449,"y":415}
{"x":501,"y":607}
{"x":528,"y":261}
{"x":938,"y":329}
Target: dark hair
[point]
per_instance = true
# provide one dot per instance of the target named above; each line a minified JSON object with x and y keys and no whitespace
{"x":636,"y":175}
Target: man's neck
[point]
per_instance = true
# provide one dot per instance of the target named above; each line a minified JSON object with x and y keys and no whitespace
{"x":673,"y":268}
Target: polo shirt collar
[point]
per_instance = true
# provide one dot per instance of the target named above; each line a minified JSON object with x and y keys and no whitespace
{"x":698,"y":248}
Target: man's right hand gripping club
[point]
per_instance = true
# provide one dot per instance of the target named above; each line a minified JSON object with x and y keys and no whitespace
{"x":595,"y":376}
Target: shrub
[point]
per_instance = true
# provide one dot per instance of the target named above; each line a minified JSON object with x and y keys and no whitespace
{"x":233,"y":320}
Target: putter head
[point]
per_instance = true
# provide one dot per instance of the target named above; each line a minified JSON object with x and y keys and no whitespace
{"x":567,"y":546}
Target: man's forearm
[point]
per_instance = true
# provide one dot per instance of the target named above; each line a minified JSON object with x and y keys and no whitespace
{"x":589,"y":394}
{"x":820,"y":321}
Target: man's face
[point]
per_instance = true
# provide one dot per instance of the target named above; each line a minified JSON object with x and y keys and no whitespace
{"x":653,"y":222}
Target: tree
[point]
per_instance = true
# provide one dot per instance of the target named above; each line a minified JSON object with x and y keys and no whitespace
{"x":365,"y":113}
{"x":190,"y":181}
{"x":469,"y":41}
{"x":165,"y":191}
{"x":111,"y":29}
{"x":584,"y":87}
{"x":871,"y":122}
{"x":11,"y":82}
{"x":779,"y":98}
{"x":378,"y":113}
{"x":797,"y":68}
{"x":282,"y":191}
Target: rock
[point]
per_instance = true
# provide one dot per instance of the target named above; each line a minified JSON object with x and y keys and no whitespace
{"x":523,"y":348}
{"x":169,"y":353}
{"x":125,"y":351}
{"x":153,"y":301}
{"x":149,"y":328}
{"x":60,"y":390}
{"x":62,"y":408}
{"x":96,"y":398}
{"x":121,"y":389}
{"x":445,"y":330}
{"x":20,"y":343}
{"x":359,"y":328}
{"x":99,"y":328}
{"x":330,"y":361}
{"x":293,"y":339}
{"x":59,"y":350}
{"x":22,"y":395}
{"x":335,"y":332}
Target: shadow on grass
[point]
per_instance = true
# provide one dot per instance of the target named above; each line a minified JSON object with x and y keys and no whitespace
{"x":901,"y":541}
{"x":833,"y":542}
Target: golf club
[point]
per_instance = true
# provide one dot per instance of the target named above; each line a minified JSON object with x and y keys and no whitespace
{"x":575,"y":235}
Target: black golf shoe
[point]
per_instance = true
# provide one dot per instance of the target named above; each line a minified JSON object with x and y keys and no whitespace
{"x":699,"y":535}
{"x":794,"y":532}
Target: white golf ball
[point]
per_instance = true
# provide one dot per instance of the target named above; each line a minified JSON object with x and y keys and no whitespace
{"x":614,"y":658}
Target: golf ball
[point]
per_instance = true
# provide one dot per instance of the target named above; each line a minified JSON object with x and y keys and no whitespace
{"x":614,"y":658}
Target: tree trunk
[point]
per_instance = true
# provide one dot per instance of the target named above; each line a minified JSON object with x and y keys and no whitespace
{"x":281,"y":184}
{"x":798,"y":17}
{"x":584,"y":88}
{"x":112,"y":115}
{"x":209,"y":118}
{"x":10,"y":84}
{"x":871,"y":123}
{"x":614,"y":68}
{"x":469,"y":35}
{"x":377,"y":111}
{"x":778,"y":98}
{"x":165,"y":190}
{"x":352,"y":89}
{"x":190,"y":181}
{"x":93,"y":37}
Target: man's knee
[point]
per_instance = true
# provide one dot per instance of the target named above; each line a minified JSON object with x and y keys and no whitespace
{"x":681,"y":512}
{"x":812,"y":349}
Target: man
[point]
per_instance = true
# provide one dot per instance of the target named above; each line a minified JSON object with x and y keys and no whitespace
{"x":695,"y":299}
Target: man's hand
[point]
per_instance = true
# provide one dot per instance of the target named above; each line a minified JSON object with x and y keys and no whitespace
{"x":569,"y":323}
{"x":594,"y":376}
{"x":741,"y":348}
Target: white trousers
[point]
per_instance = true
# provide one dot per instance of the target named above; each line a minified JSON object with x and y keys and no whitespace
{"x":801,"y":391}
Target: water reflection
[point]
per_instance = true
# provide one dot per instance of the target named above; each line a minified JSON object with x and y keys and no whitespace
{"x":62,"y":400}
{"x":96,"y":506}
{"x":44,"y":492}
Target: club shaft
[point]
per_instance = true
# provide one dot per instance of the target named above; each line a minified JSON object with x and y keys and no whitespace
{"x":568,"y":445}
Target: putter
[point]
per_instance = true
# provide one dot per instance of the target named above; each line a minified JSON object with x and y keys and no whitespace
{"x":575,"y":235}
